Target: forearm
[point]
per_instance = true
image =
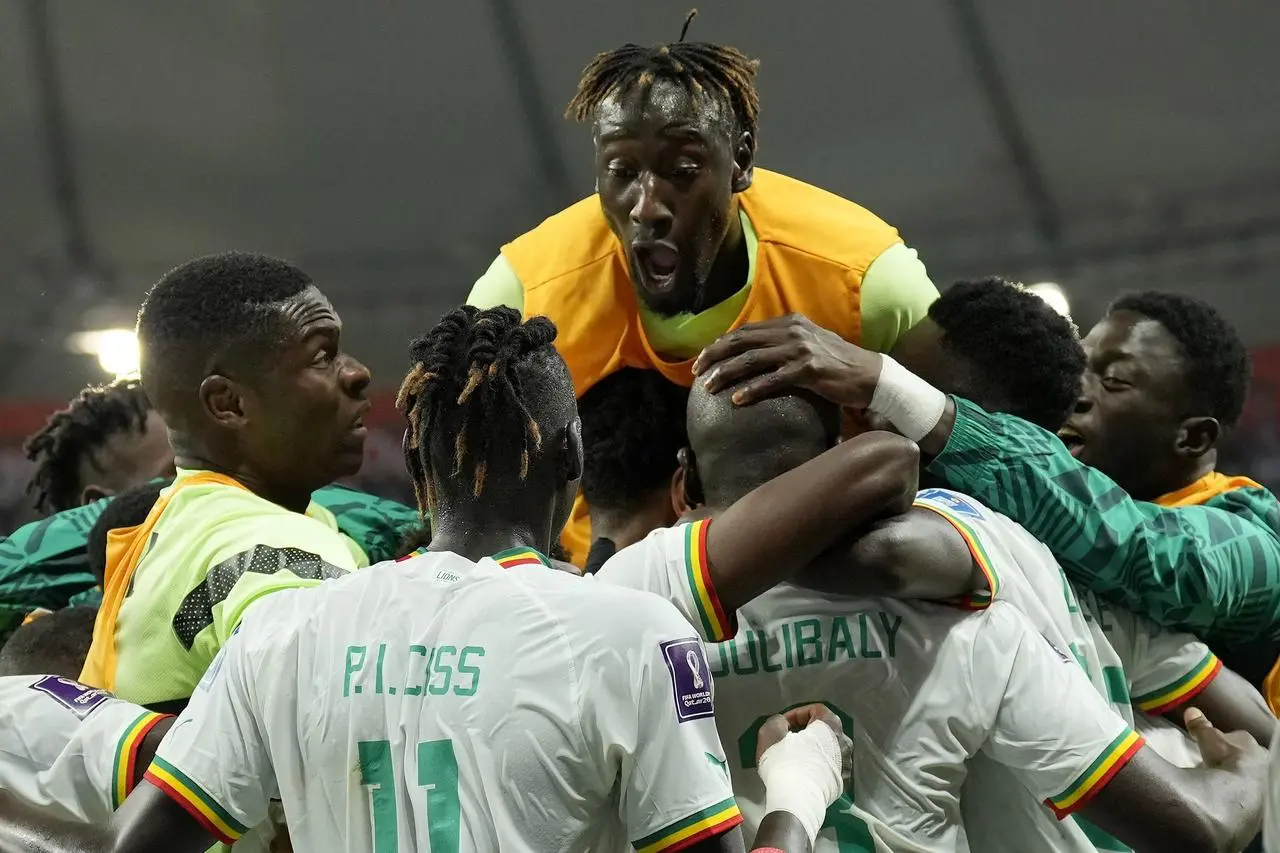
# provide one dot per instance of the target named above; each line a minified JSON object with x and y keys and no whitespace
{"x":1195,"y":567}
{"x":784,"y":524}
{"x":781,"y":831}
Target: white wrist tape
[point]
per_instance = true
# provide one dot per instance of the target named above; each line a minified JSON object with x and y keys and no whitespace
{"x":912,"y":405}
{"x":801,"y":775}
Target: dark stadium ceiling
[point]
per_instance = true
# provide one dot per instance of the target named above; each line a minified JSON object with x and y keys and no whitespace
{"x":392,"y":149}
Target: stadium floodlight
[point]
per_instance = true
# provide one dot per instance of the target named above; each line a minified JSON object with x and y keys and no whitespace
{"x":115,"y":349}
{"x":1054,"y":295}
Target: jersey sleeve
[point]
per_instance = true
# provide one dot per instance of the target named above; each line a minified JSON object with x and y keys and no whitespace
{"x":956,"y":511}
{"x":896,"y":294}
{"x":68,"y":747}
{"x":651,"y":723}
{"x":214,"y":760}
{"x":1213,"y":569}
{"x":1049,"y":726}
{"x":1166,"y":668}
{"x":498,"y":286}
{"x":252,"y":557}
{"x":671,"y":562}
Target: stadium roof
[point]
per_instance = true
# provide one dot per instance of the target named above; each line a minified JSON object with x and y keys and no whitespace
{"x":391,"y":148}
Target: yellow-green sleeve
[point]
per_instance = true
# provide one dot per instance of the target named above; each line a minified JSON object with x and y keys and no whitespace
{"x":499,"y":286}
{"x":896,"y":294}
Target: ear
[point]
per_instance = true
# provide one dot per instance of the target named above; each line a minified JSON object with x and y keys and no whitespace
{"x":224,"y":400}
{"x":744,"y":162}
{"x":93,"y":492}
{"x":1197,"y":436}
{"x":571,"y":459}
{"x":690,"y":495}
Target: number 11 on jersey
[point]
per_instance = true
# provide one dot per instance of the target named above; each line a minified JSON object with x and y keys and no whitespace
{"x":437,"y":773}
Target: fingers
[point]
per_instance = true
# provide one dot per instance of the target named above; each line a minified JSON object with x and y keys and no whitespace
{"x":774,"y":729}
{"x":806,"y":714}
{"x":751,"y":336}
{"x":1214,"y":747}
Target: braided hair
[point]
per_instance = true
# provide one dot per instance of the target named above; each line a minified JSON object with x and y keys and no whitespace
{"x":701,"y":68}
{"x":74,"y":434}
{"x":465,"y":388}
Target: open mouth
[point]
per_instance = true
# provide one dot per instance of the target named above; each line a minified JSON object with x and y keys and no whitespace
{"x":1073,"y":440}
{"x":656,"y":263}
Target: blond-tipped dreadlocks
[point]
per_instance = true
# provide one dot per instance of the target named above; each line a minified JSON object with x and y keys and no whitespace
{"x":465,"y":380}
{"x":700,"y":67}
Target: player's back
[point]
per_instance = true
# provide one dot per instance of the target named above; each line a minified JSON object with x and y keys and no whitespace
{"x":441,"y":704}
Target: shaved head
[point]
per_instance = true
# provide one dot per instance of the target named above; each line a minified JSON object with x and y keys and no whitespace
{"x":738,"y":448}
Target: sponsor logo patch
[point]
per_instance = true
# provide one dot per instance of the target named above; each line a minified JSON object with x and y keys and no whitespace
{"x":950,"y":501}
{"x":77,"y":698}
{"x":690,"y":678}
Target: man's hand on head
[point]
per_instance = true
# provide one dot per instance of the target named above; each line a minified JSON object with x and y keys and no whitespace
{"x":789,"y":353}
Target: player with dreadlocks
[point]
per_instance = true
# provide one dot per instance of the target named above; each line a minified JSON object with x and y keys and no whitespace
{"x":686,"y":239}
{"x":107,"y":440}
{"x":486,"y":699}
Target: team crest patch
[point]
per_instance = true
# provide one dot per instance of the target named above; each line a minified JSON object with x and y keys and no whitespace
{"x":690,"y":678}
{"x":77,"y":698}
{"x":950,"y":501}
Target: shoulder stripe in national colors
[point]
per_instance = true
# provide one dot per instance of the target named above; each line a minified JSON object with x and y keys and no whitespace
{"x":520,"y":557}
{"x":204,"y":808}
{"x":126,"y":758}
{"x":1183,"y":690}
{"x":699,"y":826}
{"x":717,"y":625}
{"x":979,"y":598}
{"x":1097,"y":775}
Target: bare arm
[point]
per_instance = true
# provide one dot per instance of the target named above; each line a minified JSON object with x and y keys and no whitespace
{"x":1235,"y":705}
{"x":915,"y":555}
{"x":788,"y":521}
{"x":147,"y":821}
{"x":1155,"y":807}
{"x":781,"y":831}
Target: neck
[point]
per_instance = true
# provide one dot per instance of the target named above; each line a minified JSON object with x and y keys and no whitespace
{"x":625,"y":529}
{"x":1201,"y":467}
{"x":729,"y":270}
{"x":476,"y":536}
{"x":293,"y":498}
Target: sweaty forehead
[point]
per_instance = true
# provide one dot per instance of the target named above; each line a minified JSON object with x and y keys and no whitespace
{"x":308,"y":310}
{"x":666,"y":106}
{"x":1128,"y":334}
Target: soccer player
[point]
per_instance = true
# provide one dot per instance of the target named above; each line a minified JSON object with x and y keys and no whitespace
{"x":685,"y":238}
{"x":1005,"y":694}
{"x":632,"y":429}
{"x":106,"y":440}
{"x":54,"y":644}
{"x":462,"y":704}
{"x":242,"y":358}
{"x":1165,"y":376}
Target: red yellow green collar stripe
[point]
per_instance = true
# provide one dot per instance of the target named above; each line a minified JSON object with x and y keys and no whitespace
{"x":520,"y":557}
{"x":699,"y":826}
{"x":198,"y":804}
{"x":1183,"y":690}
{"x":126,"y":760}
{"x":1098,"y":774}
{"x":979,"y":598}
{"x":717,"y":625}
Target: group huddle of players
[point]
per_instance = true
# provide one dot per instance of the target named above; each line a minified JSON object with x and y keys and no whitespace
{"x":955,"y":596}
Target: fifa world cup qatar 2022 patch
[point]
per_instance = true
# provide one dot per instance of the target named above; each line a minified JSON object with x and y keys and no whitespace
{"x":690,"y":678}
{"x":77,"y":698}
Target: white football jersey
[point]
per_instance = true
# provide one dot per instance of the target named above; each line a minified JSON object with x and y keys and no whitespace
{"x":66,"y":748}
{"x":920,"y":688}
{"x":439,"y":704}
{"x":1142,"y":669}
